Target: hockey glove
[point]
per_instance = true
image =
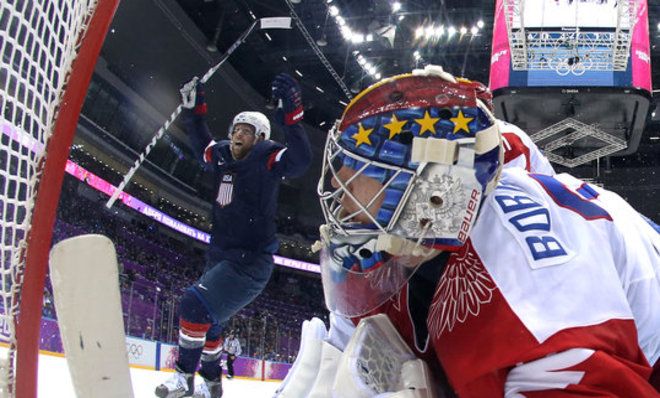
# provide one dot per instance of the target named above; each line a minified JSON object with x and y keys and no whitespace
{"x":287,"y":89}
{"x":193,"y":97}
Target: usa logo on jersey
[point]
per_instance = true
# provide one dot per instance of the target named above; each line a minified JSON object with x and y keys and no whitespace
{"x":226,"y":190}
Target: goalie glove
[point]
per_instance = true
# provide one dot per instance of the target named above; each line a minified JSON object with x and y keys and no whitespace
{"x":287,"y":90}
{"x":416,"y":382}
{"x":300,"y":379}
{"x":378,"y":363}
{"x":193,"y":96}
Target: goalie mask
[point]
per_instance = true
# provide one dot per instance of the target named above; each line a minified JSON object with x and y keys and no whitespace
{"x":404,"y":173}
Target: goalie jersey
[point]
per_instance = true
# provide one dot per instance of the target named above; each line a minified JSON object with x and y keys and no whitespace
{"x":520,"y":150}
{"x":516,"y":312}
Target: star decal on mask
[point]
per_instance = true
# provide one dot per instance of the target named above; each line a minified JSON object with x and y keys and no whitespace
{"x":427,"y":123}
{"x":362,"y":136}
{"x":461,"y":122}
{"x":395,"y":126}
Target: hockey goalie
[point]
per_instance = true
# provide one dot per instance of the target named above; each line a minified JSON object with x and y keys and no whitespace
{"x":467,"y":278}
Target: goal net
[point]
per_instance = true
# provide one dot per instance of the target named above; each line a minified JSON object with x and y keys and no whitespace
{"x":48,"y":49}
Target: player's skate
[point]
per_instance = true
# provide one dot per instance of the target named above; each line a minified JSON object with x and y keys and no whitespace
{"x":209,"y":388}
{"x":179,"y":385}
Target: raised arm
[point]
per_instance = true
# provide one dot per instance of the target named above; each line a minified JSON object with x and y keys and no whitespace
{"x":193,"y":117}
{"x":295,"y":158}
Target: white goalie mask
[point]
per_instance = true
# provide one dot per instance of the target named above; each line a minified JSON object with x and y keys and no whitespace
{"x":257,"y":120}
{"x":404,"y":173}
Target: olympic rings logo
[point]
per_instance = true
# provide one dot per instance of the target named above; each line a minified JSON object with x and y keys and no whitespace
{"x":134,"y":350}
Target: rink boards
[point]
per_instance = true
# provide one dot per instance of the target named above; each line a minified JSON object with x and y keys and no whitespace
{"x":155,"y":355}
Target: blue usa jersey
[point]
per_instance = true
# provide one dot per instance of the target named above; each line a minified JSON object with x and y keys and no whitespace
{"x":245,"y":206}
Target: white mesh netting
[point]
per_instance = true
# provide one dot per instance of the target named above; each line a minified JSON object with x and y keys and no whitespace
{"x":38,"y":43}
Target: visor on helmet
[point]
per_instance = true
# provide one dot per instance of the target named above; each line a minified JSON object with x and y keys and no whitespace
{"x":359,"y":275}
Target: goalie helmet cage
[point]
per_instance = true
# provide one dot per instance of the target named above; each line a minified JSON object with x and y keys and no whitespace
{"x":48,"y":52}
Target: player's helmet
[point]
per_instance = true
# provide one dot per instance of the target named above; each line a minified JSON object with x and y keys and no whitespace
{"x":257,"y":120}
{"x":435,"y":149}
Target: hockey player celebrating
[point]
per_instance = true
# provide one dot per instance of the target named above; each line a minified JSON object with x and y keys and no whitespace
{"x":248,"y":169}
{"x":504,"y":282}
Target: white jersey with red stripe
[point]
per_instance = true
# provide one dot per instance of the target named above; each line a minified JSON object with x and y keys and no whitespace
{"x":520,"y":150}
{"x":543,"y":299}
{"x":639,"y":270}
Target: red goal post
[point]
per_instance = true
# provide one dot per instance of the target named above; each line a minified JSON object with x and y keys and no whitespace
{"x":48,"y":50}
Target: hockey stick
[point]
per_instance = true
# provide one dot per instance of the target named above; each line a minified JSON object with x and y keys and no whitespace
{"x":263,"y":23}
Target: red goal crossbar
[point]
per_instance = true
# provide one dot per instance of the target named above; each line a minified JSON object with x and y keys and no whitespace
{"x":48,"y":193}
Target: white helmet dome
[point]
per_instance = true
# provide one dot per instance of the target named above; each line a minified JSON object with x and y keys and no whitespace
{"x":257,"y":120}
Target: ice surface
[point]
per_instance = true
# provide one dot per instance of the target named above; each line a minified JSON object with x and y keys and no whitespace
{"x":55,"y":382}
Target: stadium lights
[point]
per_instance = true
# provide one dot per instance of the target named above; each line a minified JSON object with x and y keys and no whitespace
{"x":354,"y":37}
{"x":347,"y":33}
{"x":357,"y":38}
{"x":432,"y":32}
